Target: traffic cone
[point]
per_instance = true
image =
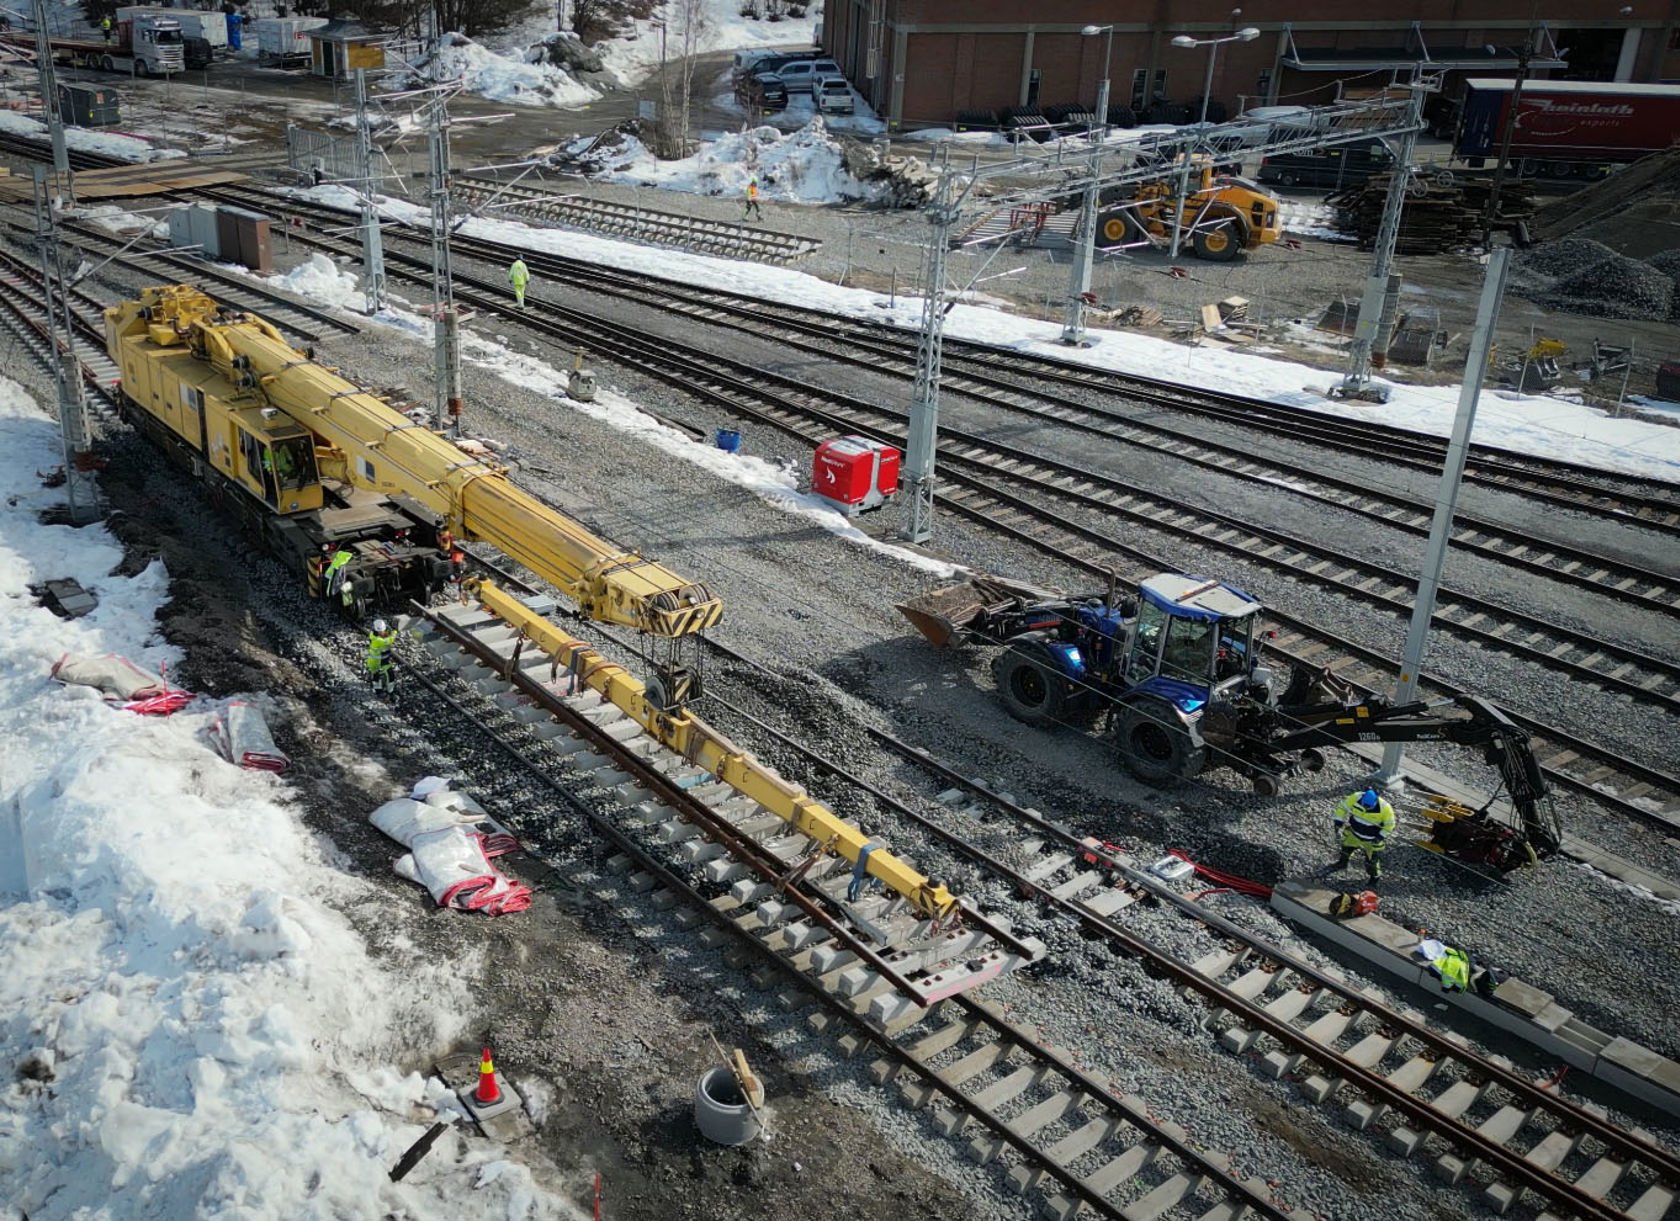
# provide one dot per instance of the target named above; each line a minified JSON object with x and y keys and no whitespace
{"x":488,"y":1092}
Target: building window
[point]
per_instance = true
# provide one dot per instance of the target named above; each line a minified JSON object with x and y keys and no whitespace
{"x":1160,"y":85}
{"x":1674,"y":40}
{"x":1140,"y":88}
{"x":1032,"y":87}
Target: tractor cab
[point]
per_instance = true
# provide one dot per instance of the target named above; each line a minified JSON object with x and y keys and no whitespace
{"x":1191,"y":635}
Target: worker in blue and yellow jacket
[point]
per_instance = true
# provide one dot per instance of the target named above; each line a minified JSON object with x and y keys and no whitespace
{"x":381,"y":665}
{"x":1366,"y":823}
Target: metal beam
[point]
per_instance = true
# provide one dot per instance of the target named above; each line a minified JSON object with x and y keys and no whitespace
{"x":1446,"y":501}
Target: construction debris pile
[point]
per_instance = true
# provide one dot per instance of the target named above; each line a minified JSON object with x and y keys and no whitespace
{"x":1581,"y":276}
{"x":1439,"y":214}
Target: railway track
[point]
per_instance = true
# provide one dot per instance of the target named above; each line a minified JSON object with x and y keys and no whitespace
{"x":1017,"y":381}
{"x":1420,"y":1094}
{"x":541,"y":206}
{"x":1641,"y":792}
{"x":682,"y":838}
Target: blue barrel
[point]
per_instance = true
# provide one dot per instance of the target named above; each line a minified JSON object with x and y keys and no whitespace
{"x":729,"y":440}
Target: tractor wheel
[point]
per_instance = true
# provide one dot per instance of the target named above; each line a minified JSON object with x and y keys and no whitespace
{"x":1116,"y":228}
{"x":1220,"y":244}
{"x":1156,"y":747}
{"x":1031,"y":687}
{"x":1312,"y":760}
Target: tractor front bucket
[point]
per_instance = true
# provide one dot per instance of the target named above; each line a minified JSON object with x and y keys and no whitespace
{"x":950,"y":615}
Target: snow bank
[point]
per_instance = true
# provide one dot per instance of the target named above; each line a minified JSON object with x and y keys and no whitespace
{"x":803,"y":166}
{"x":321,"y":279}
{"x":188,"y":1024}
{"x":128,"y":148}
{"x":500,"y":78}
{"x":631,"y":57}
{"x":1530,"y":424}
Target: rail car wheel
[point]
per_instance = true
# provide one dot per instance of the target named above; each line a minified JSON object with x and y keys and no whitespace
{"x":1220,"y":244}
{"x":1155,"y":746}
{"x":1031,"y":688}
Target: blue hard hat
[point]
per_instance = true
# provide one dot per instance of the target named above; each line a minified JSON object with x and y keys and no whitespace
{"x":1368,"y":800}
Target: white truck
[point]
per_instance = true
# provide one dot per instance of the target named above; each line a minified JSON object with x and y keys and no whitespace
{"x":147,"y":44}
{"x":284,"y":39}
{"x":212,"y":27}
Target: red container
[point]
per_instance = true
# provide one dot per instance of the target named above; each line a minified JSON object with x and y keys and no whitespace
{"x":855,"y":473}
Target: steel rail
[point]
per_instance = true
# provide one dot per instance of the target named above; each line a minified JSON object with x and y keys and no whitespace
{"x":1211,"y":1167}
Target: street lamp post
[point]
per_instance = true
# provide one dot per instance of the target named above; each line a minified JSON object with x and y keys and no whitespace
{"x":1085,"y":235}
{"x":1247,"y":34}
{"x":1525,"y":55}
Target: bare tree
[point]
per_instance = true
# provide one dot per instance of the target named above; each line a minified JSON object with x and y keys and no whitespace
{"x":692,"y":23}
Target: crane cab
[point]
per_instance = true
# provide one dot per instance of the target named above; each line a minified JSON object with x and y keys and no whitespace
{"x":273,"y":458}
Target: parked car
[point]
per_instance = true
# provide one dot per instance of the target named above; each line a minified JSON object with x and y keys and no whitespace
{"x":833,"y":95}
{"x":763,"y":91}
{"x":801,"y":75}
{"x":755,"y":63}
{"x":1329,"y":169}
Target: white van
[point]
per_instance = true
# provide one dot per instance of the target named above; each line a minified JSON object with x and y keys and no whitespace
{"x":801,"y":75}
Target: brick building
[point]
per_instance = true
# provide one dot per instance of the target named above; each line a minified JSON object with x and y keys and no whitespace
{"x":925,"y":62}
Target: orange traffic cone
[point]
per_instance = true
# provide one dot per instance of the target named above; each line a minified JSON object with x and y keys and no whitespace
{"x":488,"y":1091}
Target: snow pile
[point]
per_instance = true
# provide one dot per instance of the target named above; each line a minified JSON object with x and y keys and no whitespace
{"x":500,"y":78}
{"x":113,"y":219}
{"x":188,"y":1024}
{"x":1529,"y":424}
{"x":635,"y":53}
{"x":1311,"y":219}
{"x":803,"y":166}
{"x":321,"y":279}
{"x":127,"y":148}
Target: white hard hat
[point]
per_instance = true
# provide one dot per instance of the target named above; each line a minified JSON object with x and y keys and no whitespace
{"x":380,"y":626}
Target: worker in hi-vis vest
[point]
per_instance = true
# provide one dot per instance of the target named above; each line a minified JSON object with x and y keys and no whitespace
{"x":519,"y":276}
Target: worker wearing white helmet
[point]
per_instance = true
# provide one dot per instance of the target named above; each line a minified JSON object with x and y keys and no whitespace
{"x":381,"y":665}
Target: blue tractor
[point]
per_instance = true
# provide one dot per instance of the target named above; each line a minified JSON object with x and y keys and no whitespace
{"x":1175,"y":675}
{"x":1153,"y":663}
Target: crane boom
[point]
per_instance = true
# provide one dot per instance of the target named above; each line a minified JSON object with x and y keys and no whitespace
{"x":241,"y":362}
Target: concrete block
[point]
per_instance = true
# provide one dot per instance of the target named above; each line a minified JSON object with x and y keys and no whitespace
{"x":1499,"y":1198}
{"x":722,"y":869}
{"x":855,"y":980}
{"x":983,"y":1149}
{"x":1450,"y":1168}
{"x":641,"y":882}
{"x":1404,"y":1141}
{"x":664,"y":900}
{"x":1361,"y":1115}
{"x":745,"y":892}
{"x":1279,"y":1063}
{"x":851,"y":1044}
{"x":1318,"y":1087}
{"x":1238,"y":1039}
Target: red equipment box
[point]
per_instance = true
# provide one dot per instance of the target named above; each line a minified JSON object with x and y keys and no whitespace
{"x":855,"y":473}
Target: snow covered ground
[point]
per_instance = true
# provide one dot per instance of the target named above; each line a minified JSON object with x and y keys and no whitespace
{"x":631,"y":58}
{"x":189,"y":1023}
{"x":1529,"y":424}
{"x":502,"y":78}
{"x":128,"y":148}
{"x":804,"y":166}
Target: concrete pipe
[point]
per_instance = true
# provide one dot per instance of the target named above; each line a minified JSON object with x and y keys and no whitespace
{"x":722,"y":1112}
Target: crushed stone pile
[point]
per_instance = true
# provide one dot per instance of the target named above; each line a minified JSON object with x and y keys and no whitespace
{"x":1567,"y":257}
{"x":1616,"y":287}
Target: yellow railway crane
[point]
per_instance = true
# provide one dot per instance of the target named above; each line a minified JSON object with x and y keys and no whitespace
{"x":363,"y":501}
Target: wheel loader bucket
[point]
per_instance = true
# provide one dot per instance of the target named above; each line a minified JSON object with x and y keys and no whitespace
{"x":943,"y":615}
{"x":947,"y":616}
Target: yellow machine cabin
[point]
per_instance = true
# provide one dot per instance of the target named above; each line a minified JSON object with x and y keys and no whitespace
{"x":363,"y":500}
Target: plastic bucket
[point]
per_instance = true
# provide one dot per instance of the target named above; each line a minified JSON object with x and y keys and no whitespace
{"x":729,"y":440}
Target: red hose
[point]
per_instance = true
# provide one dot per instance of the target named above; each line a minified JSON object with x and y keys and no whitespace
{"x":1225,"y":881}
